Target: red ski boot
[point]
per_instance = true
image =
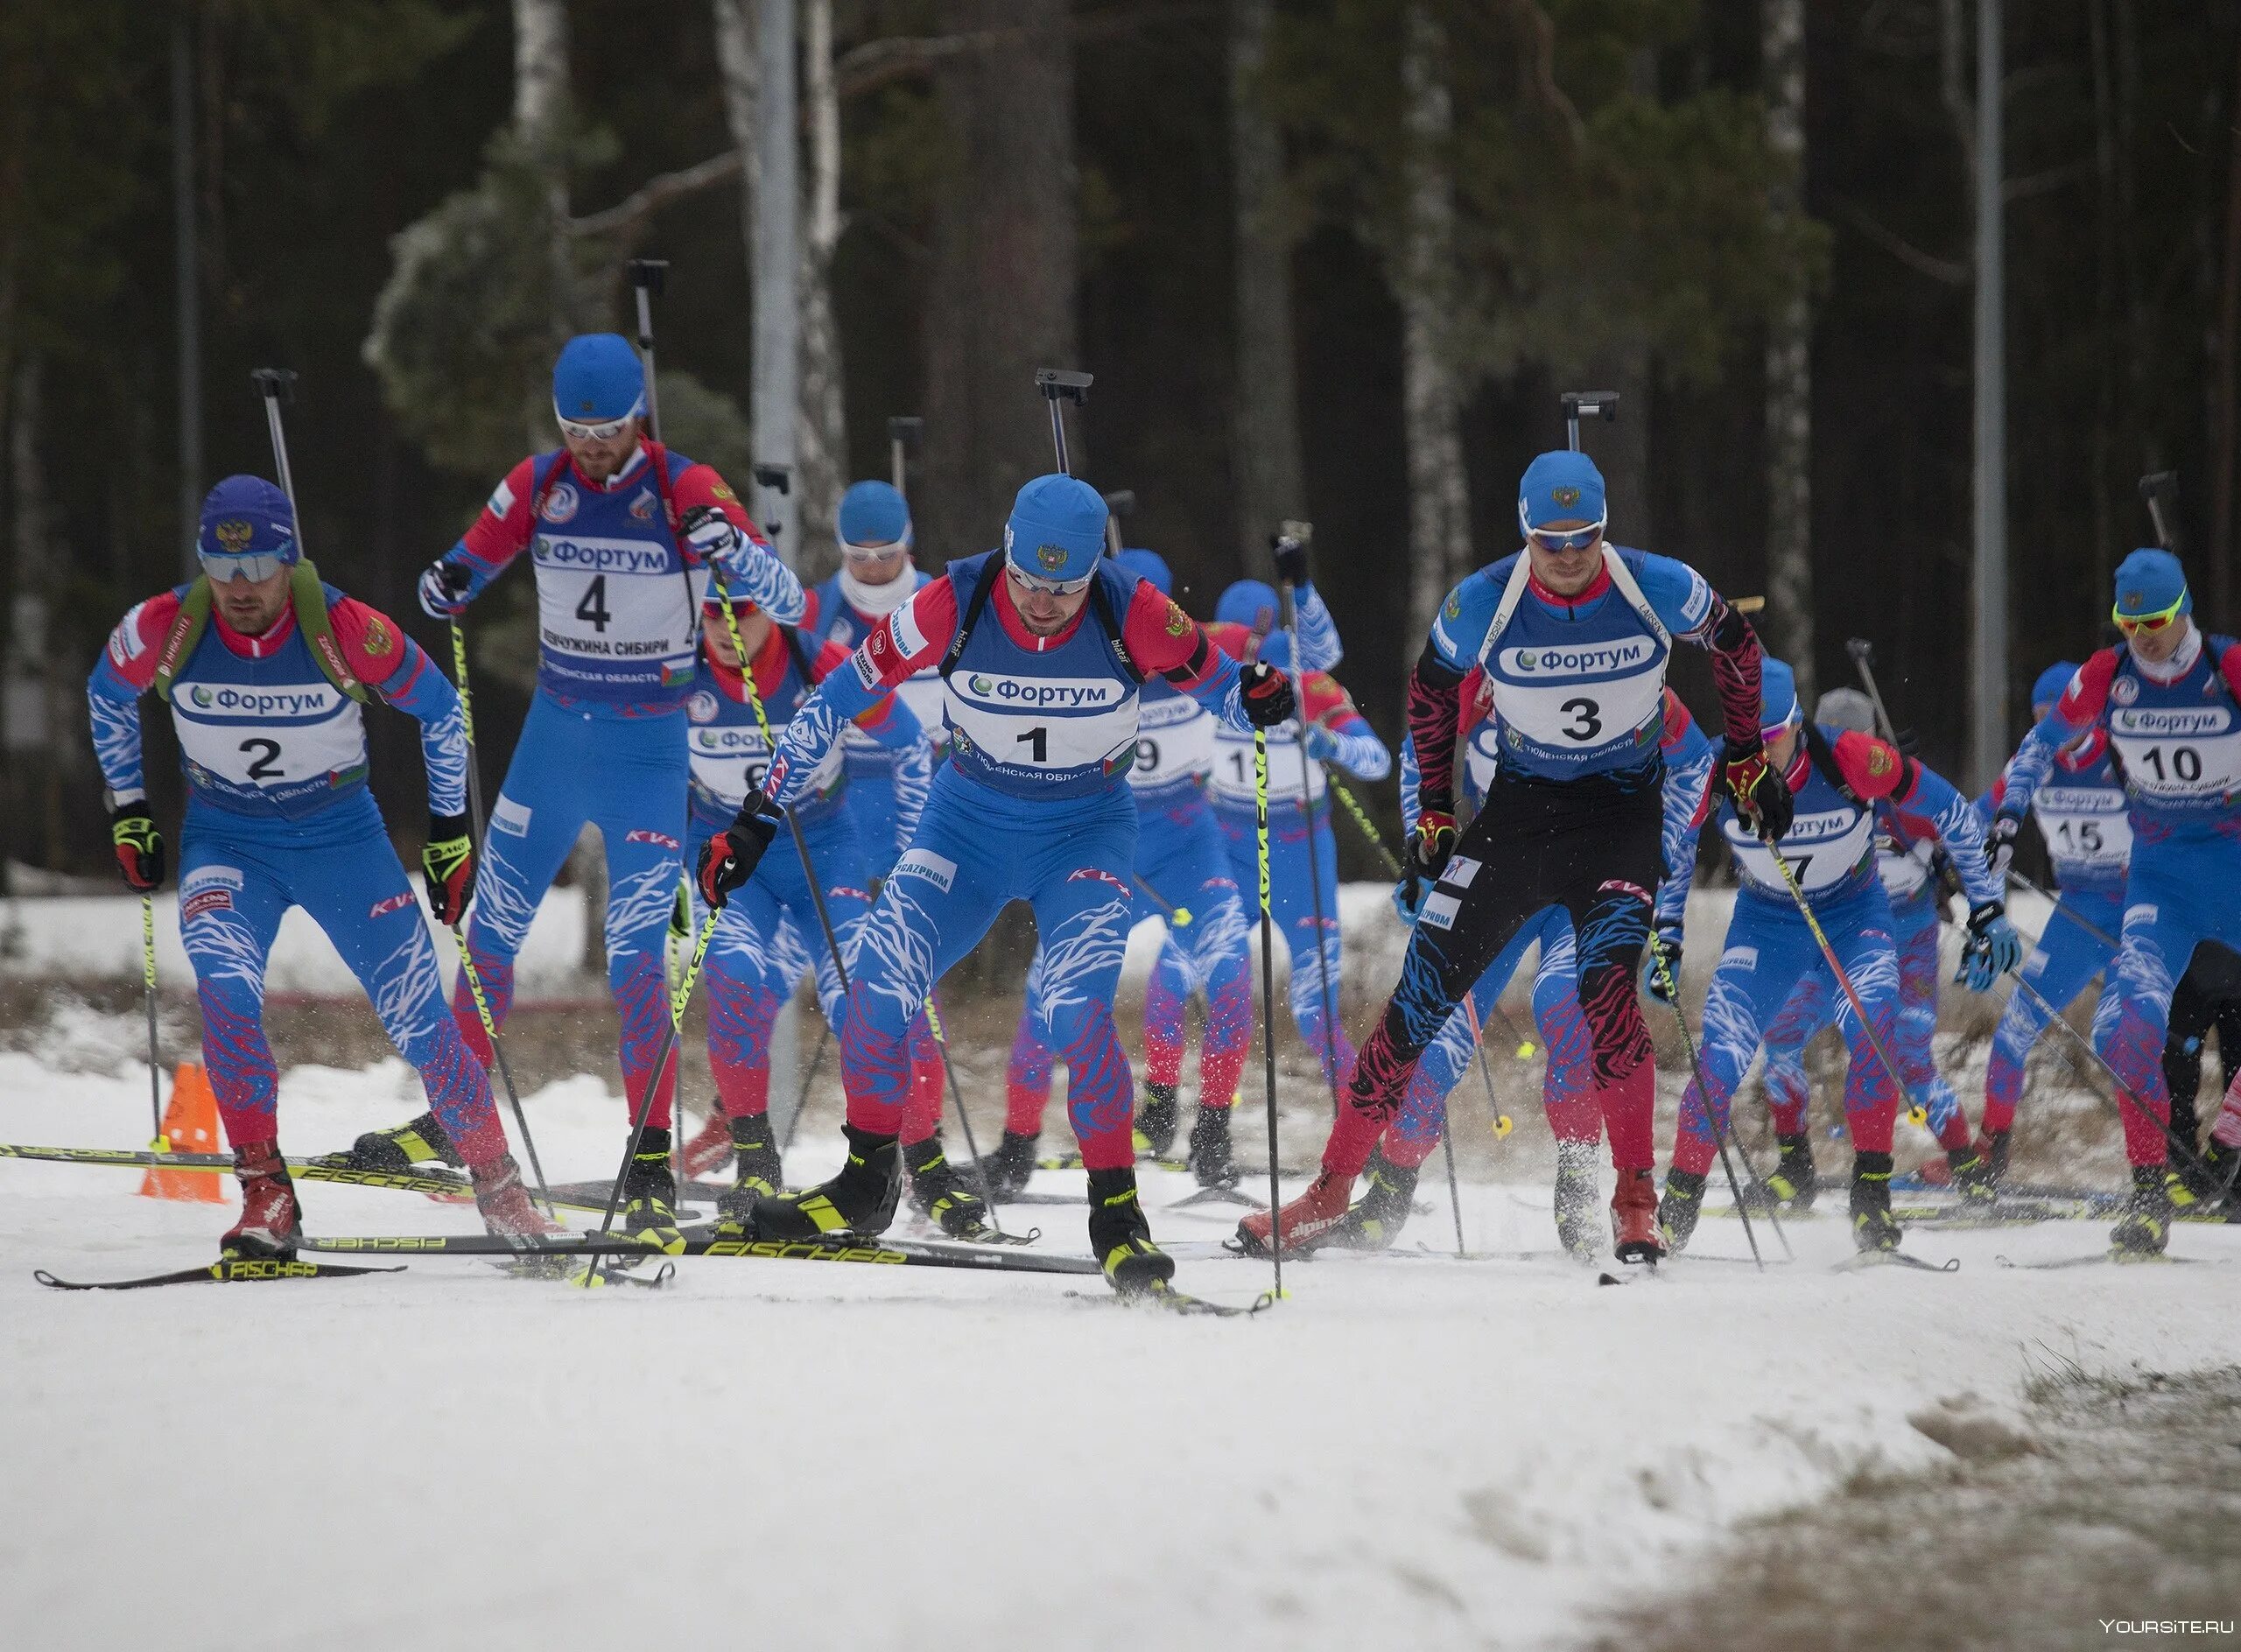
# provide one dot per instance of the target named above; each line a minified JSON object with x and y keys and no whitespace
{"x":708,"y":1151}
{"x":1308,"y":1219}
{"x":270,"y":1222}
{"x":505,"y":1203}
{"x":1633,"y":1218}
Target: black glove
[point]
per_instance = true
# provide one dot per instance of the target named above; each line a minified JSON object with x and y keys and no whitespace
{"x":2000,"y":843}
{"x":1762,"y":796}
{"x":442,"y":589}
{"x":1266,"y":693}
{"x":729,"y":859}
{"x":1664,"y":946}
{"x":448,"y":859}
{"x":139,"y":845}
{"x":1292,"y":559}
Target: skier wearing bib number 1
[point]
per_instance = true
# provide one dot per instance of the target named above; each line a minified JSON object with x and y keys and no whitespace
{"x":623,"y":535}
{"x":265,"y":668}
{"x":1044,"y":647}
{"x":2166,"y":698}
{"x":1573,"y":635}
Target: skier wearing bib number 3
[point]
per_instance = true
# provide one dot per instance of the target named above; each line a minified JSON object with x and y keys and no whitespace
{"x":2166,"y":698}
{"x":265,"y":668}
{"x":1044,"y":648}
{"x":1573,"y":635}
{"x":623,"y":535}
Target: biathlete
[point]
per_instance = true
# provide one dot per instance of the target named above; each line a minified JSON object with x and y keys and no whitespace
{"x":265,"y":668}
{"x":1044,"y":648}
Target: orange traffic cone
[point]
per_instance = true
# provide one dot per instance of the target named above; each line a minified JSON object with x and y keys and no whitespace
{"x":191,"y":1125}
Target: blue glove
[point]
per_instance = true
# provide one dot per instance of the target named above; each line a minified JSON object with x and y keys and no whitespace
{"x":444,"y":588}
{"x":1993,"y":948}
{"x":1665,"y":943}
{"x":1320,"y":743}
{"x":1408,"y":897}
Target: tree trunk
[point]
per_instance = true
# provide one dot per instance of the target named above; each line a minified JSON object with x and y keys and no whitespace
{"x":1270,"y":484}
{"x":540,"y":114}
{"x":740,"y":74}
{"x":821,"y":430}
{"x":1439,"y":505}
{"x":1790,"y":364}
{"x":1001,"y":292}
{"x":30,"y":727}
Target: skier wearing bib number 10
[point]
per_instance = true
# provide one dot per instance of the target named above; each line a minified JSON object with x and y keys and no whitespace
{"x":1573,"y":633}
{"x":2166,"y":698}
{"x":1044,"y":648}
{"x":623,"y":535}
{"x":265,"y":668}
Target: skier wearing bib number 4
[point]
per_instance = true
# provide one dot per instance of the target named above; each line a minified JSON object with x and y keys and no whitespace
{"x":1573,"y":635}
{"x":1044,"y":648}
{"x":623,"y":535}
{"x":264,"y":669}
{"x":2166,"y":696}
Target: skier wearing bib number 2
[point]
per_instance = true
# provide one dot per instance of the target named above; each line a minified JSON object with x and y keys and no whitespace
{"x":1573,"y":635}
{"x":2166,"y":698}
{"x":264,"y":669}
{"x":1044,"y":648}
{"x":623,"y":535}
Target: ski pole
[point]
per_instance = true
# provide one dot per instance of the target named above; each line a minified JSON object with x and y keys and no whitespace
{"x":1328,"y":1055}
{"x":801,"y":1099}
{"x":158,"y":1142}
{"x":1062,"y":385}
{"x":964,"y":1121}
{"x":1503,"y":1123}
{"x":1360,"y":817}
{"x":1178,"y":916}
{"x":903,"y":435}
{"x":1719,"y":1132}
{"x":1267,"y":999}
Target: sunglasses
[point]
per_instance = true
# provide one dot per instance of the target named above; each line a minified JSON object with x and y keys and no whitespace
{"x":2129,"y":623}
{"x":875,"y":553}
{"x":257,"y":567}
{"x":1050,"y":587}
{"x":606,"y":432}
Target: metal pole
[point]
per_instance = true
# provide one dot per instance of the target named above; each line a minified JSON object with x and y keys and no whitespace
{"x":777,"y":252}
{"x":1989,"y":699}
{"x":187,"y":291}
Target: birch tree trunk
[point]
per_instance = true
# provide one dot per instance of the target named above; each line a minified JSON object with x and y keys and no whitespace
{"x":740,"y":70}
{"x":1270,"y":483}
{"x":821,"y":430}
{"x":1439,"y":505}
{"x":1790,"y":364}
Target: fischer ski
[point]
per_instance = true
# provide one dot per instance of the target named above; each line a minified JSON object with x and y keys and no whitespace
{"x":244,"y":1270}
{"x":701,"y":1243}
{"x":1860,"y":1261}
{"x":1162,"y":1295}
{"x":2112,"y":1256}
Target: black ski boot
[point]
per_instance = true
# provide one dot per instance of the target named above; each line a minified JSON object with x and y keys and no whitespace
{"x":1678,"y":1210}
{"x":1972,"y":1174}
{"x":755,"y":1154}
{"x":1008,"y":1167}
{"x":1213,"y":1159}
{"x":1873,"y":1226}
{"x":650,"y":1192}
{"x":401,"y":1147}
{"x":1795,"y":1182}
{"x":2144,"y":1228}
{"x":1156,"y":1119}
{"x":939,"y":1193}
{"x":1119,"y":1236}
{"x":1579,"y":1224}
{"x":2223,"y":1189}
{"x":1991,"y":1147}
{"x":860,"y":1199}
{"x":1375,"y":1219}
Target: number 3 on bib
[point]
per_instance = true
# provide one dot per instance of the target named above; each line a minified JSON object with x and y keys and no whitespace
{"x":1586,"y":723}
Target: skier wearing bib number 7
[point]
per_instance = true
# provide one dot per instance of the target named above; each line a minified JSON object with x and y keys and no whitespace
{"x":1573,"y":635}
{"x":264,"y":669}
{"x":1044,"y":648}
{"x":2166,"y":698}
{"x":623,"y":535}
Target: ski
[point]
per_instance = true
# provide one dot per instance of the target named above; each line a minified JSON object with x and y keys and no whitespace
{"x":1073,"y":1161}
{"x":1860,"y":1261}
{"x":1167,"y":1297}
{"x":227,"y":1271}
{"x":1025,"y":1198}
{"x":2004,"y":1212}
{"x":594,"y":1195}
{"x":2113,"y":1258}
{"x":700,"y":1242}
{"x":1634,"y":1276}
{"x":1216,"y":1196}
{"x":435,"y":1183}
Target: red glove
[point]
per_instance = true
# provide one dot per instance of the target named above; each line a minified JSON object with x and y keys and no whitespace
{"x":729,"y":859}
{"x":449,"y":861}
{"x":1431,"y":846}
{"x":1762,"y":796}
{"x":139,"y":846}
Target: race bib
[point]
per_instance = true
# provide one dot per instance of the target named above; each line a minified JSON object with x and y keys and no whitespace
{"x":262,"y":739}
{"x":618,"y":602}
{"x":2174,"y":753}
{"x":1175,"y":741}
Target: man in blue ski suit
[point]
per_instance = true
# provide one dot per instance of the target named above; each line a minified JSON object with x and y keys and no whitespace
{"x":264,"y":669}
{"x":1043,"y":647}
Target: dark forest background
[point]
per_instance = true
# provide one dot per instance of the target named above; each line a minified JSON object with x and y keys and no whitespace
{"x":1620,"y":206}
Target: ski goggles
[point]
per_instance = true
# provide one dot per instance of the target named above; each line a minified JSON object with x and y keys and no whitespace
{"x":1574,"y":539}
{"x":881,"y":554}
{"x":2129,"y":623}
{"x":1048,"y":588}
{"x":257,"y":567}
{"x":607,"y":430}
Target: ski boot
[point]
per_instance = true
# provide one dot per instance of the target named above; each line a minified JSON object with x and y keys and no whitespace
{"x":940,"y":1194}
{"x":650,"y":1193}
{"x":1972,"y":1175}
{"x":1678,"y":1210}
{"x":270,"y":1222}
{"x":2223,"y":1189}
{"x":401,"y":1147}
{"x":2144,"y":1228}
{"x":860,"y":1199}
{"x":1156,"y":1120}
{"x":505,"y":1203}
{"x":1873,"y":1226}
{"x":1634,"y":1232}
{"x":1307,"y":1220}
{"x":749,"y":1136}
{"x":1007,"y":1169}
{"x":1795,"y":1182}
{"x":1376,"y":1218}
{"x":1213,"y":1160}
{"x":705,"y":1153}
{"x":1576,"y":1225}
{"x":1991,"y":1147}
{"x":1121,"y":1238}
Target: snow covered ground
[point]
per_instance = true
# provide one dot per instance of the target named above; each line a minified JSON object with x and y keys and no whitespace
{"x":1409,"y":1451}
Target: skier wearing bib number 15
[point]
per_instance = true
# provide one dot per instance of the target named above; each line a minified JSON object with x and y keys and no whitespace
{"x":2166,"y":696}
{"x":623,"y":535}
{"x":265,"y":668}
{"x":1044,"y":648}
{"x":1573,"y":635}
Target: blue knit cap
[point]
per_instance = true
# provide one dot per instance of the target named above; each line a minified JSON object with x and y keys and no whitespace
{"x":1560,"y":486}
{"x":1276,"y":651}
{"x":873,"y":513}
{"x":2052,"y":681}
{"x":247,"y":516}
{"x":1777,"y":696}
{"x":597,"y":379}
{"x":1251,"y":604}
{"x":1057,"y":530}
{"x":1148,"y":564}
{"x":2149,"y":581}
